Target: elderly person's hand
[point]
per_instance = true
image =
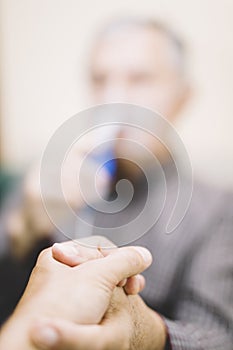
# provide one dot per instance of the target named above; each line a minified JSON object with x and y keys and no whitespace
{"x":79,"y":294}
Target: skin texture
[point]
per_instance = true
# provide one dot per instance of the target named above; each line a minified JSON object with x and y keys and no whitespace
{"x":127,"y":324}
{"x":79,"y":294}
{"x":73,"y":254}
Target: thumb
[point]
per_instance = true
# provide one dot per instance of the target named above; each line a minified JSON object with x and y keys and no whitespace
{"x":122,"y":263}
{"x":60,"y":334}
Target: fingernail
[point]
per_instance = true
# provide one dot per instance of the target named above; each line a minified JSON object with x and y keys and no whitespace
{"x":46,"y":338}
{"x":141,"y":282}
{"x":145,"y":254}
{"x":66,"y":249}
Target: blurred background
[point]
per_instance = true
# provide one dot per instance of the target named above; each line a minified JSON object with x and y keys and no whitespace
{"x":44,"y":48}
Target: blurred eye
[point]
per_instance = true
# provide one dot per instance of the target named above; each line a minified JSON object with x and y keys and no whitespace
{"x":98,"y":79}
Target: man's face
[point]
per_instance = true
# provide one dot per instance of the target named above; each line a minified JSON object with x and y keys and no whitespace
{"x":139,"y":66}
{"x":136,"y":65}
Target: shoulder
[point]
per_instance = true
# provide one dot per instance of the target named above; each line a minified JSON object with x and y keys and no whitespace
{"x":211,"y":211}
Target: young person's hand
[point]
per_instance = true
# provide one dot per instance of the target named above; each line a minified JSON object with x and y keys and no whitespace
{"x":73,"y":254}
{"x":79,"y":294}
{"x":127,"y":324}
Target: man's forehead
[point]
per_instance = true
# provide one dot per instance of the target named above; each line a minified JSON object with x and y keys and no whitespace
{"x":132,"y":35}
{"x":131,"y":43}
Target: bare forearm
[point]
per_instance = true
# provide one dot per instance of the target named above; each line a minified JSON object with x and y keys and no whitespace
{"x":14,"y":334}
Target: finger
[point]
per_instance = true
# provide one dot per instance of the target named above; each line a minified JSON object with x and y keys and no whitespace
{"x":122,"y":283}
{"x":73,"y":254}
{"x":122,"y":263}
{"x":61,"y":334}
{"x":134,"y":285}
{"x":45,"y":257}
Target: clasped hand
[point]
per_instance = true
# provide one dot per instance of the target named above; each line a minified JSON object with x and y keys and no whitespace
{"x":84,"y":298}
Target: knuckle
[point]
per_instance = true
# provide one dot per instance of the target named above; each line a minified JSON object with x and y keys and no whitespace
{"x":133,"y":259}
{"x":44,"y":256}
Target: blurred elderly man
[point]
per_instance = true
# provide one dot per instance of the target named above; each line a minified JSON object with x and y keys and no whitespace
{"x":190,"y":282}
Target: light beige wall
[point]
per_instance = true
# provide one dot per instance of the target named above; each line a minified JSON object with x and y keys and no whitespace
{"x":43,"y":46}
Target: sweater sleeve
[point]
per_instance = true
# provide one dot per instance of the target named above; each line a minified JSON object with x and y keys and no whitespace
{"x":203,"y":316}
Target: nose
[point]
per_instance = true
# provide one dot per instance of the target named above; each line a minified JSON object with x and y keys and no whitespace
{"x":116,"y":93}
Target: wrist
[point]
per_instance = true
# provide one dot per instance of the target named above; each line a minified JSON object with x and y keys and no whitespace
{"x":14,"y":334}
{"x":150,"y":331}
{"x":158,"y":331}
